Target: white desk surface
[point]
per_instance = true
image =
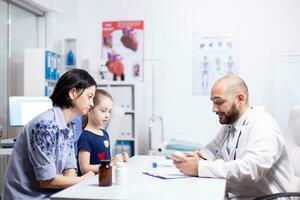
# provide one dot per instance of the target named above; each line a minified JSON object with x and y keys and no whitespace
{"x":140,"y":186}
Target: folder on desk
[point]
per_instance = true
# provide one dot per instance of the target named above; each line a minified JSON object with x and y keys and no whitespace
{"x":166,"y":173}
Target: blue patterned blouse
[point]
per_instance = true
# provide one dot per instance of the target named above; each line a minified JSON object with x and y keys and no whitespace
{"x":44,"y":149}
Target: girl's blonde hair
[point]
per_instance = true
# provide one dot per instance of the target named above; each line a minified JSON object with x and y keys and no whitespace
{"x":97,"y":100}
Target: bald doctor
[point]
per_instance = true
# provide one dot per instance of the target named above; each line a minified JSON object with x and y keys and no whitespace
{"x":248,"y":151}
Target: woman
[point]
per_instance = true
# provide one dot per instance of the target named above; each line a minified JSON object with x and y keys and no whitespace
{"x":43,"y":159}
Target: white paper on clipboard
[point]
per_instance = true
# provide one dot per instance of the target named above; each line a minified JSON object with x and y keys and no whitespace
{"x":166,"y":173}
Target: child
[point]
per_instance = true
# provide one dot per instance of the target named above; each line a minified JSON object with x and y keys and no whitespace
{"x":93,"y":144}
{"x":43,"y":158}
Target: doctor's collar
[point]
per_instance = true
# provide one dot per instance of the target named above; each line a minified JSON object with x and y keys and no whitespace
{"x":242,"y":120}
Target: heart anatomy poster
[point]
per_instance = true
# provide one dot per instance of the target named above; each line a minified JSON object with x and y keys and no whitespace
{"x":122,"y":51}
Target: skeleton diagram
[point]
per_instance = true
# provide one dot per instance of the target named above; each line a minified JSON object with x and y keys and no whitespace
{"x":230,"y":66}
{"x":205,"y":75}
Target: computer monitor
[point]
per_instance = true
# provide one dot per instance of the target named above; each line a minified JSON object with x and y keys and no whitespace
{"x":22,"y":109}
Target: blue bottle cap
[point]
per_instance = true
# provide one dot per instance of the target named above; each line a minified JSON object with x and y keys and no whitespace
{"x":154,"y":164}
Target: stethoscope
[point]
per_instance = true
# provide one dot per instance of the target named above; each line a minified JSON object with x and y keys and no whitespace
{"x":227,"y":137}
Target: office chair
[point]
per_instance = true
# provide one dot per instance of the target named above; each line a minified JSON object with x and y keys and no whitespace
{"x":293,"y":148}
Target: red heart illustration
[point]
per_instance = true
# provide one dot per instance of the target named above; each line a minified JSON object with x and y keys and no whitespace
{"x":101,"y":156}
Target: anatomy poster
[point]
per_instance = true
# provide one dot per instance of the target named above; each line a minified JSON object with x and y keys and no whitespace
{"x":214,"y":55}
{"x":122,"y":51}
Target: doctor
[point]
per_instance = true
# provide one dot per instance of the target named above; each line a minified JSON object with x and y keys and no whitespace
{"x":248,"y":151}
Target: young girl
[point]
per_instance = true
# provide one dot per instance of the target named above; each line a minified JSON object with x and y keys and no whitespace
{"x":93,"y":144}
{"x":43,"y":158}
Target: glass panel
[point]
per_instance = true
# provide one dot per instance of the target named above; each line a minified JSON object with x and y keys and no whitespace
{"x":3,"y":66}
{"x":24,"y":34}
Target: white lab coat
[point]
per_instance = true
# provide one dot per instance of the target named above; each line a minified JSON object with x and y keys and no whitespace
{"x":257,"y":165}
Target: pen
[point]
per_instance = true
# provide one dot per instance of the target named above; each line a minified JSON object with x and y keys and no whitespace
{"x":202,"y":157}
{"x":162,"y":163}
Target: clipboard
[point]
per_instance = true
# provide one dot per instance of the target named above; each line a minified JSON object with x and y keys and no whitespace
{"x":166,"y":176}
{"x":166,"y":173}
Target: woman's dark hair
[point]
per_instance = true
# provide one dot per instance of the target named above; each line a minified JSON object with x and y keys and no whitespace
{"x":97,"y":100}
{"x":75,"y":78}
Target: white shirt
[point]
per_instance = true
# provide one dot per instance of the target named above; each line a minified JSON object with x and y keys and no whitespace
{"x":257,"y":164}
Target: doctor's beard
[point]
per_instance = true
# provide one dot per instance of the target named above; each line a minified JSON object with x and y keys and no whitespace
{"x":230,"y":117}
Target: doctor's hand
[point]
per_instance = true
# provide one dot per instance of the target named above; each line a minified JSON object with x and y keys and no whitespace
{"x":196,"y":154}
{"x":187,"y":164}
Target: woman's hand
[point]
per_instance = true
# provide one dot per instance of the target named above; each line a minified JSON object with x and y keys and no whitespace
{"x":87,"y":175}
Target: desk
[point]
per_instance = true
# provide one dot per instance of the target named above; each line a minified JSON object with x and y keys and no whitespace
{"x":142,"y":187}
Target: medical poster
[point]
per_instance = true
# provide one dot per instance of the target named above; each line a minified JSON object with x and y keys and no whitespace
{"x":52,"y":64}
{"x":122,"y":51}
{"x":214,"y":55}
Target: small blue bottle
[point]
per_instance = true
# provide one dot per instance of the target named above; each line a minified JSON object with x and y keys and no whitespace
{"x":70,"y":58}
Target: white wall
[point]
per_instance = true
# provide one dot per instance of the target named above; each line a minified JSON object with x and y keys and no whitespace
{"x":264,"y":27}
